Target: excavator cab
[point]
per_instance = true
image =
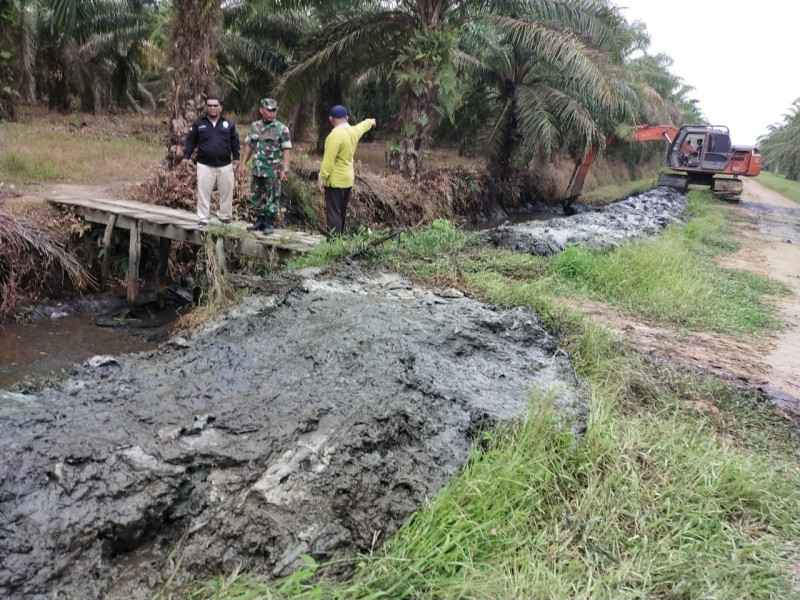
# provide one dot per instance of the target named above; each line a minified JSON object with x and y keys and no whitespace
{"x":700,"y":148}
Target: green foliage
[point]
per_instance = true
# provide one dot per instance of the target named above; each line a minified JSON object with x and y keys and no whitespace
{"x":448,"y":92}
{"x":334,"y":250}
{"x":9,"y":17}
{"x":667,"y":280}
{"x":781,"y":146}
{"x":673,"y":277}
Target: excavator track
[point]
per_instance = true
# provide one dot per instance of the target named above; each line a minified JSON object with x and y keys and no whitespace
{"x":678,"y":182}
{"x":727,"y":189}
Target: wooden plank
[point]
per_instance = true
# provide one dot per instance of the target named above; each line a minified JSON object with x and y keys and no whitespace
{"x":182,"y":233}
{"x":120,"y":205}
{"x":138,"y":212}
{"x":154,"y":220}
{"x":134,"y":257}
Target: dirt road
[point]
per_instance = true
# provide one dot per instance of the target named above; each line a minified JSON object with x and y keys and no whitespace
{"x":769,"y":229}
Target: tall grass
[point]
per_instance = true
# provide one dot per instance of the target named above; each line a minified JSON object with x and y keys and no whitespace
{"x":38,"y":152}
{"x":671,"y":278}
{"x":680,"y":487}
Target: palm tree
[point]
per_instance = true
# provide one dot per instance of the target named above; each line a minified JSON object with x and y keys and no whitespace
{"x":257,"y":44}
{"x":9,"y":17}
{"x":781,"y":146}
{"x":543,"y":105}
{"x":416,"y":43}
{"x":92,"y":48}
{"x":271,"y":35}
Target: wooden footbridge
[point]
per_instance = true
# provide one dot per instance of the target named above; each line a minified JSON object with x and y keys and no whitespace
{"x":169,"y":224}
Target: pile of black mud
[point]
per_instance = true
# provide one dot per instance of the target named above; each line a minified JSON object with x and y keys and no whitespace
{"x":596,"y":228}
{"x":312,"y":420}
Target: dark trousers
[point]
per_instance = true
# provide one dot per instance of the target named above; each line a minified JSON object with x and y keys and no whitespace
{"x":336,"y":200}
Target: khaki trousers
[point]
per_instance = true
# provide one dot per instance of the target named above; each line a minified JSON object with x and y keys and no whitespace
{"x":207,"y":178}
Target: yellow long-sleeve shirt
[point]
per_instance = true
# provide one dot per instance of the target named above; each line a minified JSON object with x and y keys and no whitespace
{"x":340,"y":146}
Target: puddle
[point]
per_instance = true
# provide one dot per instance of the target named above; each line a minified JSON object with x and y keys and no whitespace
{"x":50,"y":347}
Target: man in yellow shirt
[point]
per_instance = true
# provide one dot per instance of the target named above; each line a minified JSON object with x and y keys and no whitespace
{"x":336,"y":173}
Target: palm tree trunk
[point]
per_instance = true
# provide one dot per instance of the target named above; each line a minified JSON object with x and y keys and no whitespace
{"x":195,"y":34}
{"x":27,"y":85}
{"x":330,"y":94}
{"x":414,"y":136}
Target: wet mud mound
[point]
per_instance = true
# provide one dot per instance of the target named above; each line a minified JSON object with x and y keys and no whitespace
{"x":601,"y":228}
{"x":310,"y":421}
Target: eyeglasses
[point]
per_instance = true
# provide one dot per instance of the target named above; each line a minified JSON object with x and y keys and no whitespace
{"x":270,"y":109}
{"x":212,"y":105}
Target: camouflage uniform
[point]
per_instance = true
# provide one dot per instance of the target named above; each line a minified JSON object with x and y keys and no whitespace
{"x":268,"y":141}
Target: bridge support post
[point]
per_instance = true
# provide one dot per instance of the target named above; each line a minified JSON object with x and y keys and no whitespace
{"x":219,"y":247}
{"x":112,"y":220}
{"x":164,"y":246}
{"x":134,"y":258}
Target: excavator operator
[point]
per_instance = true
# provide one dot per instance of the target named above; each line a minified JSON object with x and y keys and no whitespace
{"x":686,"y":151}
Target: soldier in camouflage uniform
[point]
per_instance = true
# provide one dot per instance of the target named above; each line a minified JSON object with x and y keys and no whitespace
{"x":269,"y":143}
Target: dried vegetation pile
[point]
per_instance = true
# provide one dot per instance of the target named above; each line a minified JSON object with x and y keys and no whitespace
{"x":177,"y":188}
{"x":34,"y":260}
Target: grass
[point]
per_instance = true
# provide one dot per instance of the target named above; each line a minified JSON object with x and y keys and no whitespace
{"x":778,"y":183}
{"x":680,"y":487}
{"x":39,"y":152}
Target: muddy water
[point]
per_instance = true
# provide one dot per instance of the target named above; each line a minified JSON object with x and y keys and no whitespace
{"x":49,"y":348}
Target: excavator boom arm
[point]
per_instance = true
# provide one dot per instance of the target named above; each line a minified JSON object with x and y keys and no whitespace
{"x":643,"y":133}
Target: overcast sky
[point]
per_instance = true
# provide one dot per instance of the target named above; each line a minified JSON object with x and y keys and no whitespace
{"x":742,"y":59}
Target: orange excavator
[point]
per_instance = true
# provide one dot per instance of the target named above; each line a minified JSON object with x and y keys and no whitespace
{"x":695,"y":154}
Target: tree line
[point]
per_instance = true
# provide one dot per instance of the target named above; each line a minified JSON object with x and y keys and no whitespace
{"x":515,"y":80}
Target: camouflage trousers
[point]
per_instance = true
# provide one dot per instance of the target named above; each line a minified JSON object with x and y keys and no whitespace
{"x":265,"y":195}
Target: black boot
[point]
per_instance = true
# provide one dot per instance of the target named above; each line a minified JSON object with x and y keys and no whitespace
{"x":259,"y":225}
{"x":269,"y":224}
